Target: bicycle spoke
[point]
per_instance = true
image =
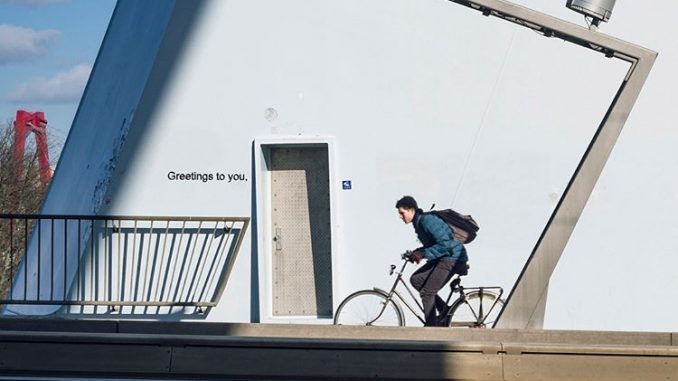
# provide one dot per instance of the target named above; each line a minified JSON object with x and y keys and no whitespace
{"x":476,"y":310}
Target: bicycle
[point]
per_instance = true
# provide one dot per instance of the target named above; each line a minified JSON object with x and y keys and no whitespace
{"x":475,"y":307}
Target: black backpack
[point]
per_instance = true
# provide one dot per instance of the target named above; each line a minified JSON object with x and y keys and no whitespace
{"x":464,"y":227}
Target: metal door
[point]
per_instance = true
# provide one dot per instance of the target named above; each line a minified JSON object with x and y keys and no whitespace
{"x":301,"y":245}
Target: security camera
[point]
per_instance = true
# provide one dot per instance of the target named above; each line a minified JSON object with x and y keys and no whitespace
{"x":597,"y":10}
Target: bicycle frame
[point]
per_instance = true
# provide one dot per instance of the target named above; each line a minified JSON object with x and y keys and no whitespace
{"x":419,"y":311}
{"x":394,"y":291}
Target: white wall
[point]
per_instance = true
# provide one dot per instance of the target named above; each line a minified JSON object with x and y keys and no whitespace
{"x":426,"y":98}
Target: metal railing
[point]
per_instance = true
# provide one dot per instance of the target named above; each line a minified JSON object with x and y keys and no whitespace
{"x":116,"y":261}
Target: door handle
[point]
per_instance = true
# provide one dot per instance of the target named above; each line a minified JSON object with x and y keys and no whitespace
{"x":278,"y":239}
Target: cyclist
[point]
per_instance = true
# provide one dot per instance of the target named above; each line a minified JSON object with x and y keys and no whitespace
{"x":441,"y":251}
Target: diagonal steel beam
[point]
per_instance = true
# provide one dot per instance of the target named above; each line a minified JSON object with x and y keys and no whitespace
{"x":526,"y":302}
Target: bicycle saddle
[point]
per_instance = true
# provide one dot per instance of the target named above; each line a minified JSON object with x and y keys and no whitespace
{"x":461,"y":268}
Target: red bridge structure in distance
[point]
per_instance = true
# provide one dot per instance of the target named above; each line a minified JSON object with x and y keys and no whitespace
{"x":35,"y":122}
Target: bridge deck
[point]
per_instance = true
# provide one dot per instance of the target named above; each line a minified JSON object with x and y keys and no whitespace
{"x":126,"y":349}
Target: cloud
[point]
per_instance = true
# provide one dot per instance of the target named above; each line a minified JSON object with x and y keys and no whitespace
{"x":64,"y":87}
{"x":18,"y":44}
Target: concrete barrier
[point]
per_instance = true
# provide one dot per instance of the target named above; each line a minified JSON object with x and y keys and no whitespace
{"x":125,"y":349}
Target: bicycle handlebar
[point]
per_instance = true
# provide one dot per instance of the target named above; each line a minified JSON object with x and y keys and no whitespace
{"x":406,"y":255}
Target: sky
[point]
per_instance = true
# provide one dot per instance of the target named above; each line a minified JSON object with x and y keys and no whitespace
{"x":47,"y":50}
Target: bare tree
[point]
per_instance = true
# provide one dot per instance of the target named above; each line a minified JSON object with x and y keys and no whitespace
{"x":20,"y":193}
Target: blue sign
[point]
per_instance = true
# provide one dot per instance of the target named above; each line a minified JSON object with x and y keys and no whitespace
{"x":346,"y":184}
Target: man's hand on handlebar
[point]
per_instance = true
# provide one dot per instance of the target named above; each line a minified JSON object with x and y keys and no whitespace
{"x":414,"y":256}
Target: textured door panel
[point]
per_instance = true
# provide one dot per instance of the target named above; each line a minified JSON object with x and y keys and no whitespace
{"x":302,"y":257}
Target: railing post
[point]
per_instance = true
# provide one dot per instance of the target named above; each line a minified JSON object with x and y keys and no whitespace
{"x":65,"y":258}
{"x":11,"y":258}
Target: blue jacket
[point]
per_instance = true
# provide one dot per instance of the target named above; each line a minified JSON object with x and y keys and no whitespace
{"x":437,"y":238}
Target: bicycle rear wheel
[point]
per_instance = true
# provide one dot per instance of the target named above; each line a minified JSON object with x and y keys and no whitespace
{"x":369,"y":307}
{"x":477,"y":310}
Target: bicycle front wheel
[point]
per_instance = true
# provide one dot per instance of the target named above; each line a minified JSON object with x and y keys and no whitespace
{"x":477,"y":310}
{"x":369,"y":307}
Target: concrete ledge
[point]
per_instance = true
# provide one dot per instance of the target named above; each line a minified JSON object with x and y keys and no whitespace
{"x":601,"y":367}
{"x":610,"y":350}
{"x":38,"y":358}
{"x":245,"y":342}
{"x":12,"y":323}
{"x":249,"y":351}
{"x":338,"y":332}
{"x":405,"y":333}
{"x":383,"y":362}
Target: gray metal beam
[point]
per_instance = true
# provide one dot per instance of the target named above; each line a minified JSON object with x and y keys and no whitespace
{"x":526,"y":302}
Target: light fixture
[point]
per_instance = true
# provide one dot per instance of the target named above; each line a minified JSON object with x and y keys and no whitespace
{"x":597,"y":10}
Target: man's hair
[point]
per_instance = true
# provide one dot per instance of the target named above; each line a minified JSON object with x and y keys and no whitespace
{"x":407,"y":202}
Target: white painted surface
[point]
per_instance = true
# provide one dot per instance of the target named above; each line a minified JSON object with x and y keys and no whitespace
{"x":426,"y":98}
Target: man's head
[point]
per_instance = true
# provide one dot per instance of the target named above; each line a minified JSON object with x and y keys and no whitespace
{"x":407,"y":206}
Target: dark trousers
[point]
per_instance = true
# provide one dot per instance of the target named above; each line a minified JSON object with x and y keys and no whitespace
{"x":428,"y":280}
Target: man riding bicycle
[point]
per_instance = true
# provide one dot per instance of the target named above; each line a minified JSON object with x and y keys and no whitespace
{"x":443,"y":253}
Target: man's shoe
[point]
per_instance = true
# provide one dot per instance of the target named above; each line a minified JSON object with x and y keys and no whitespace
{"x":443,"y":319}
{"x":444,"y":311}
